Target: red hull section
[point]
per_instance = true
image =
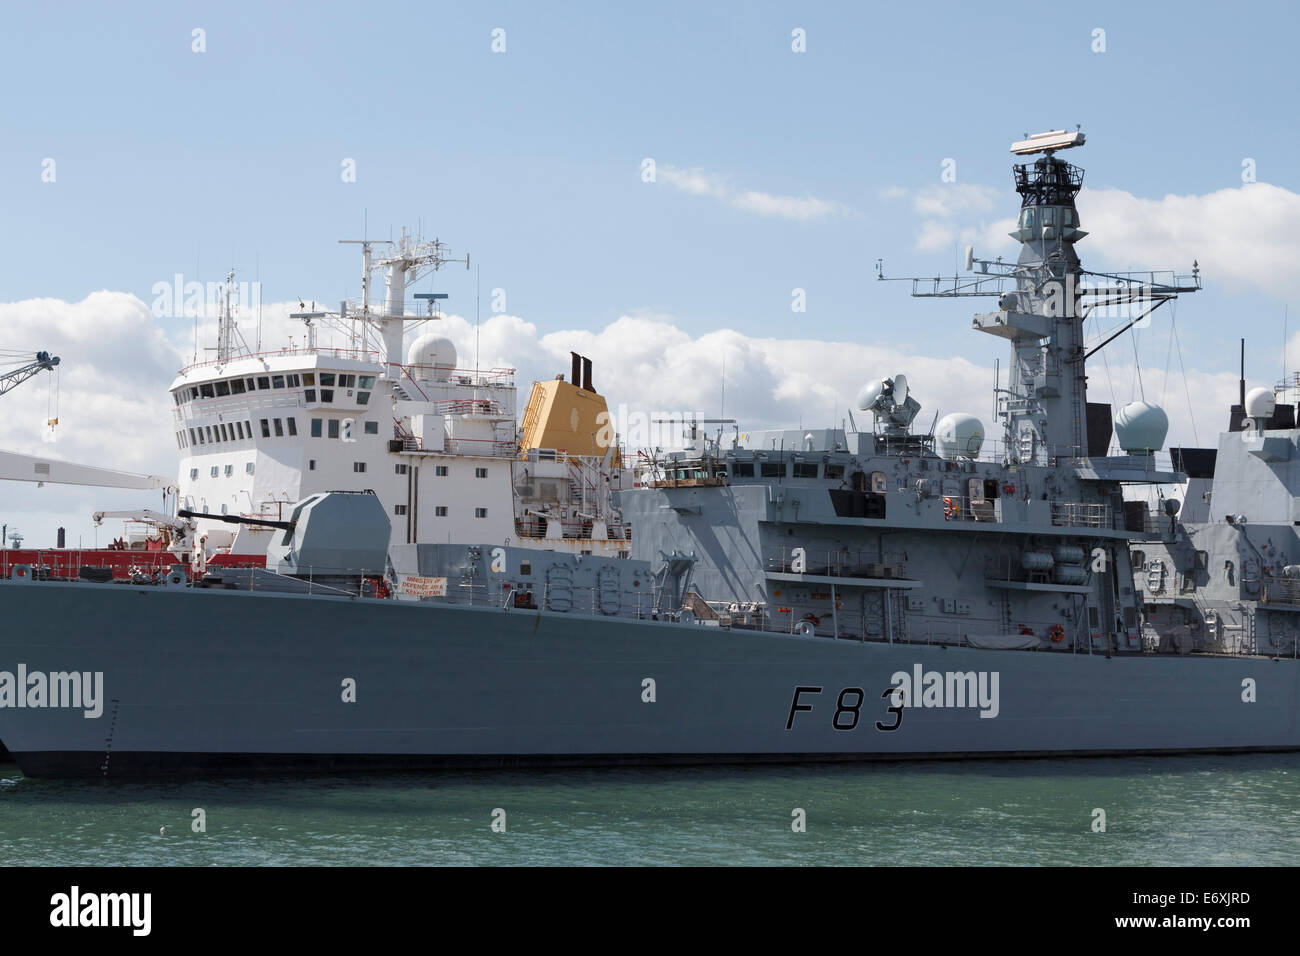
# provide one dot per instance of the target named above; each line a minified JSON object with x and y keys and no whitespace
{"x":66,"y":563}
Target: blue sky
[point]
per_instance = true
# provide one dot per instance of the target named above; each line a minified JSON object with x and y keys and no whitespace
{"x":169,"y":161}
{"x":777,"y":170}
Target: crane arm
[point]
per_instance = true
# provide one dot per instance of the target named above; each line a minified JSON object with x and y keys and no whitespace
{"x":44,"y":362}
{"x":18,"y":467}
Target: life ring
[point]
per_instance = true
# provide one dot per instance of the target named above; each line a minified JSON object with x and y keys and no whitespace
{"x":951,"y":508}
{"x":1057,"y":633}
{"x":1008,"y":489}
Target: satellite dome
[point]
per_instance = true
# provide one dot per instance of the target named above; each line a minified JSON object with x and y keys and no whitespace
{"x":958,"y":436}
{"x":1260,"y":404}
{"x":1141,"y":427}
{"x":434,"y":357}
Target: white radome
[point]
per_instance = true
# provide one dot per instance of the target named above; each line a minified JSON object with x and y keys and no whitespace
{"x":1260,"y":404}
{"x":435,"y":351}
{"x":958,"y":435}
{"x":1141,"y":427}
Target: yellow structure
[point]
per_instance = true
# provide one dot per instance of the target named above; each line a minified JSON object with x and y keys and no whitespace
{"x":567,"y":418}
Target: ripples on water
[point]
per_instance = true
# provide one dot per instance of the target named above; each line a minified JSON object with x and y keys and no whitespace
{"x":1212,"y":810}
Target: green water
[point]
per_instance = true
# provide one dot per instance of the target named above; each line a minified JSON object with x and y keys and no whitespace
{"x":1241,"y":810}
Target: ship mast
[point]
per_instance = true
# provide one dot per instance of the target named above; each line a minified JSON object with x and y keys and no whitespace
{"x":408,"y":261}
{"x":226,"y":319}
{"x":1044,"y":405}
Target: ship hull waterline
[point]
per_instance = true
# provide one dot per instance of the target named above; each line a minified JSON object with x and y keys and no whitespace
{"x":213,"y":681}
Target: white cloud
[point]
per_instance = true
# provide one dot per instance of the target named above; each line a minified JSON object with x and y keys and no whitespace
{"x":1244,"y":236}
{"x":697,"y":182}
{"x":116,"y":362}
{"x":953,"y":214}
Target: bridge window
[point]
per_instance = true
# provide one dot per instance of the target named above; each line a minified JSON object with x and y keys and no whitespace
{"x":309,"y":378}
{"x":372,"y":428}
{"x":206,"y":390}
{"x":803,"y":469}
{"x":347,"y":381}
{"x":277,"y":381}
{"x":251,"y":384}
{"x":213,"y":472}
{"x":266,"y":428}
{"x":367,"y":381}
{"x":236,"y":386}
{"x":772,"y":469}
{"x":327,"y":394}
{"x":292,"y":380}
{"x":363,"y":398}
{"x":315,"y":428}
{"x":309,"y":395}
{"x":742,"y":469}
{"x":248,"y":468}
{"x":334,"y":428}
{"x":293,"y":426}
{"x":327,"y":378}
{"x":833,"y":471}
{"x":279,"y":428}
{"x":193,"y":441}
{"x":230,"y":471}
{"x":224,"y":435}
{"x":239,"y":427}
{"x":194,"y":474}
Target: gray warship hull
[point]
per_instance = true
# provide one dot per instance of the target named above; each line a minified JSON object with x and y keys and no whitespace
{"x":196,"y":680}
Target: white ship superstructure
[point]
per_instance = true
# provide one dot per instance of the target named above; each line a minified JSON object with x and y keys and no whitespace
{"x":437,"y":444}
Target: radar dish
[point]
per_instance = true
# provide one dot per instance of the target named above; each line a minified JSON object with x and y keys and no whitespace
{"x":900,"y":389}
{"x":869,"y":394}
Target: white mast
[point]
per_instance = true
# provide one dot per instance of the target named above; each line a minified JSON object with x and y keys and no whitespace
{"x":409,"y":260}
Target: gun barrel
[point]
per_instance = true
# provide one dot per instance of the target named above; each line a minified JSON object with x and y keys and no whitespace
{"x":237,"y":519}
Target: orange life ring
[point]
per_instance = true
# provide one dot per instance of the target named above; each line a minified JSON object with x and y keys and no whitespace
{"x":1057,"y":633}
{"x":951,"y":508}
